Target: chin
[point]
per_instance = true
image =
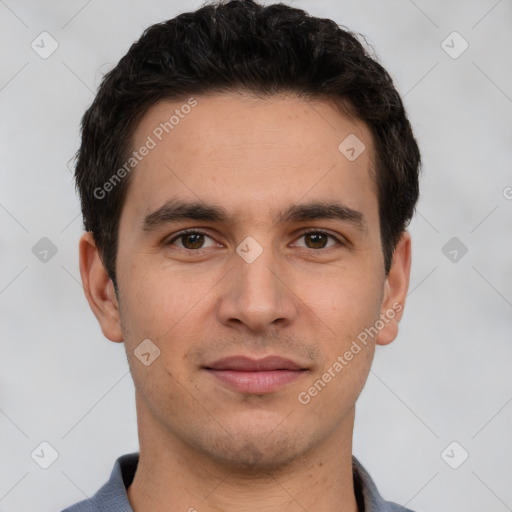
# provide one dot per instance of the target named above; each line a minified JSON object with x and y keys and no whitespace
{"x":255,"y":450}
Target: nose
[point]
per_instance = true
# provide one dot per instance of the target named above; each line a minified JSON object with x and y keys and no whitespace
{"x":258,"y":296}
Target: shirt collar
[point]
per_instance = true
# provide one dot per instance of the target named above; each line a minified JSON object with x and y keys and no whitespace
{"x":112,"y":496}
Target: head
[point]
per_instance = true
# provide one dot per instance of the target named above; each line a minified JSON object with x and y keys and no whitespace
{"x":234,"y":121}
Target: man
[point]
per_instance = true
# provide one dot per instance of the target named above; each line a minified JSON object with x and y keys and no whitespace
{"x":247,"y":174}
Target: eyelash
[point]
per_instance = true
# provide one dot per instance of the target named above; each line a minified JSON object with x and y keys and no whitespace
{"x":303,"y":233}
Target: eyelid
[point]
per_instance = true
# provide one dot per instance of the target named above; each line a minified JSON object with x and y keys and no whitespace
{"x":184,"y":232}
{"x":338,"y":238}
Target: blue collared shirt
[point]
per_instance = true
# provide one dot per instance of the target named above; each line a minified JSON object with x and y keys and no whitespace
{"x":112,"y":496}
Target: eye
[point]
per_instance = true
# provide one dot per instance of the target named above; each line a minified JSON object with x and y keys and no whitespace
{"x":192,"y":240}
{"x":315,"y":239}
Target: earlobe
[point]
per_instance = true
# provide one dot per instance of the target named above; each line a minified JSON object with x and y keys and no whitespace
{"x":395,"y":290}
{"x":99,"y":289}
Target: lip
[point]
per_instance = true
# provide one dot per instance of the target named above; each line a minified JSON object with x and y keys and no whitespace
{"x":247,"y":364}
{"x":256,"y":376}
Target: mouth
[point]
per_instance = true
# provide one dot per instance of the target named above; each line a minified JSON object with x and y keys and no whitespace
{"x":255,"y":376}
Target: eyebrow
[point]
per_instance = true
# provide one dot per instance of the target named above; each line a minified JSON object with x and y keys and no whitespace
{"x":176,"y":210}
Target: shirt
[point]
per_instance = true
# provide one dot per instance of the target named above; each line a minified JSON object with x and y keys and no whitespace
{"x":112,"y":496}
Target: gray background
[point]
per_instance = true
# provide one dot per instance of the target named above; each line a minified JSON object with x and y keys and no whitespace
{"x":446,"y":378}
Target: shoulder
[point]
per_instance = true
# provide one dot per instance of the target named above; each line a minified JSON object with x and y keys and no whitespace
{"x":82,"y":506}
{"x":112,"y":496}
{"x":368,"y":495}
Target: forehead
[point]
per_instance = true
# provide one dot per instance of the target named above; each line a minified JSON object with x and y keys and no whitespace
{"x":241,"y":150}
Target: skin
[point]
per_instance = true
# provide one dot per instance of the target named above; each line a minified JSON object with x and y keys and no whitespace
{"x":204,"y":445}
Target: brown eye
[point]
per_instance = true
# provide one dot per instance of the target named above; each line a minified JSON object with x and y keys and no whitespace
{"x":191,"y":240}
{"x":318,"y":240}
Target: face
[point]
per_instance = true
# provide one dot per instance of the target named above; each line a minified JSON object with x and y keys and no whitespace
{"x":250,"y":256}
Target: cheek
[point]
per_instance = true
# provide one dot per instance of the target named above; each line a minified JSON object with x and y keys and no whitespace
{"x":332,"y":393}
{"x":347,"y":311}
{"x":348,"y":305}
{"x":157,"y":299}
{"x":346,"y":299}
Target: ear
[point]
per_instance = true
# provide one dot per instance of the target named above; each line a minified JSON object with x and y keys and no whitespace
{"x":99,"y":289}
{"x":395,"y":290}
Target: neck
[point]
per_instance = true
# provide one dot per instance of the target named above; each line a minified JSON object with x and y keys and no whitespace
{"x":173,"y":476}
